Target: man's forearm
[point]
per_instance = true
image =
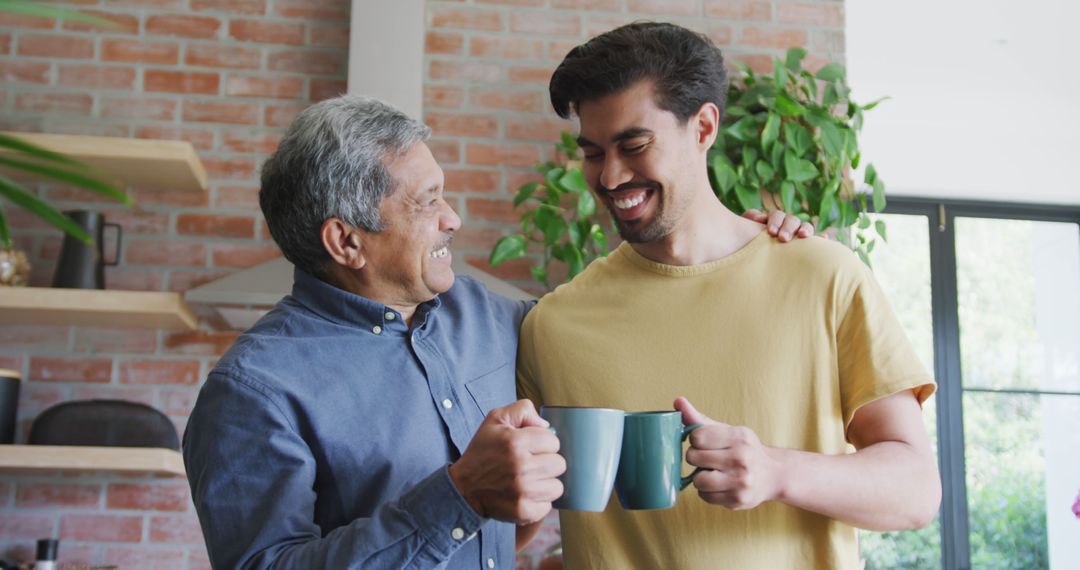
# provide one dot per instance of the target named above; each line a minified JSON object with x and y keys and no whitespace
{"x":889,"y":485}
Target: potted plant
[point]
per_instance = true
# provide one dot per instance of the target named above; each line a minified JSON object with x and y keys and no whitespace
{"x":788,"y":141}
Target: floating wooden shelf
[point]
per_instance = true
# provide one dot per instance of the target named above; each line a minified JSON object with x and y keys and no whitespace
{"x":142,"y":163}
{"x":96,"y":308}
{"x":126,"y":460}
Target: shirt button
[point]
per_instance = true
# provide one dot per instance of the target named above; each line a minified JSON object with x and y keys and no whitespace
{"x":390,"y":316}
{"x":376,"y":329}
{"x":491,"y":562}
{"x":457,"y":534}
{"x":447,"y":404}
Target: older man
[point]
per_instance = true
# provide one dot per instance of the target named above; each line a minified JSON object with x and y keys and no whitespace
{"x":367,"y":420}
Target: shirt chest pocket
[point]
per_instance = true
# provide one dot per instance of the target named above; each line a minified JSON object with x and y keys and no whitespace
{"x":493,"y":389}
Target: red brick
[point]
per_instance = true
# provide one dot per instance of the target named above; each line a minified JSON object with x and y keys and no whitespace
{"x":201,"y":343}
{"x":22,"y":526}
{"x":157,"y":497}
{"x":465,"y":71}
{"x":171,"y":199}
{"x":444,"y":43}
{"x":39,"y":337}
{"x":101,"y":528}
{"x":35,"y":397}
{"x":138,"y":222}
{"x":243,"y":197}
{"x":70,"y":369}
{"x":243,"y":256}
{"x":472,"y":180}
{"x":215,"y":226}
{"x":276,"y":87}
{"x":214,"y":112}
{"x":267,"y":32}
{"x":537,"y":75}
{"x":666,"y":7}
{"x":335,"y":36}
{"x":537,"y":129}
{"x":282,"y":115}
{"x":473,"y":237}
{"x":308,"y":10}
{"x":180,"y":529}
{"x":308,"y":62}
{"x":445,"y":151}
{"x":199,"y":138}
{"x":199,"y":559}
{"x":558,"y":49}
{"x":720,"y":35}
{"x":548,"y":23}
{"x":24,"y":21}
{"x":139,"y":108}
{"x":109,"y":392}
{"x":245,"y":141}
{"x":513,"y":270}
{"x":239,"y":167}
{"x":203,"y":27}
{"x":5,"y":43}
{"x":466,"y":18}
{"x":24,"y":72}
{"x":605,"y":5}
{"x":443,"y":96}
{"x":124,"y":23}
{"x":8,"y":362}
{"x":525,"y":3}
{"x":38,"y":495}
{"x":752,"y":10}
{"x":97,"y":76}
{"x":94,"y":340}
{"x":168,"y":252}
{"x":160,"y":372}
{"x":462,"y":125}
{"x":55,"y":45}
{"x":776,"y":38}
{"x":322,"y":89}
{"x":132,"y":279}
{"x":492,"y":210}
{"x":215,"y":55}
{"x":502,"y":154}
{"x":600,"y":23}
{"x":143,"y":556}
{"x":760,"y":63}
{"x":501,"y":99}
{"x":247,"y":7}
{"x":508,"y":48}
{"x":167,"y":81}
{"x":823,"y":14}
{"x":140,"y":51}
{"x":179,"y":401}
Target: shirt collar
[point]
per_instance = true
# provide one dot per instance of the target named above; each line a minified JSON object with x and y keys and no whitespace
{"x":350,"y":309}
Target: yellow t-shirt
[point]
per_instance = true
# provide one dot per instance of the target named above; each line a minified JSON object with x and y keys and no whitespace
{"x":786,"y":339}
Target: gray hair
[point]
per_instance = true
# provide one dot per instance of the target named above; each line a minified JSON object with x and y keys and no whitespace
{"x":331,"y":163}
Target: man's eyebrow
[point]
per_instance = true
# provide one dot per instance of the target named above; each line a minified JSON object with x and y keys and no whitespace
{"x":631,"y":133}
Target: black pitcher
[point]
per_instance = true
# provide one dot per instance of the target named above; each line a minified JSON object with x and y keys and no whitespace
{"x":82,"y":266}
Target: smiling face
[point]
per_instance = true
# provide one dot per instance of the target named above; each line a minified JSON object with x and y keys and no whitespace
{"x":641,"y":160}
{"x":408,"y":262}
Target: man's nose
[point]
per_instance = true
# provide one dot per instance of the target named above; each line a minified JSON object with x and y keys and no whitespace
{"x":449,"y":221}
{"x":614,"y":173}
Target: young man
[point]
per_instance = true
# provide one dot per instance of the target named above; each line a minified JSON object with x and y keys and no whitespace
{"x":677,"y":311}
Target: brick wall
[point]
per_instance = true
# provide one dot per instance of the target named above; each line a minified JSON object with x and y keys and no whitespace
{"x":229,"y":76}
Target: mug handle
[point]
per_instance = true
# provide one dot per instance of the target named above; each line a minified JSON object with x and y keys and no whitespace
{"x":685,"y":481}
{"x":119,"y":237}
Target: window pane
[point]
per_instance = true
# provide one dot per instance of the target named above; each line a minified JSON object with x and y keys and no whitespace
{"x":902,"y":267}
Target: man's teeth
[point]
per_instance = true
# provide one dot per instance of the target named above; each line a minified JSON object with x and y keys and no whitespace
{"x":627,"y":203}
{"x":440,"y":252}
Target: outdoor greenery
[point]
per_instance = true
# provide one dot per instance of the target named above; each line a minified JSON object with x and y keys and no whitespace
{"x":788,"y":141}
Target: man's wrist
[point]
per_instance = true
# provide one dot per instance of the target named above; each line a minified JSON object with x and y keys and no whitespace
{"x":461,"y":483}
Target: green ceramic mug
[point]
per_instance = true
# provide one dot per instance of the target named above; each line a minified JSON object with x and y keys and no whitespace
{"x":590,"y":440}
{"x":650,"y":465}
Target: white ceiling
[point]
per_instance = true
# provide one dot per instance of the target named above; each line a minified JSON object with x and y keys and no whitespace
{"x":985,"y":96}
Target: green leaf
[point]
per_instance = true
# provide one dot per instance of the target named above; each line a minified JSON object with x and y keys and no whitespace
{"x":525,"y":192}
{"x":598,"y":236}
{"x":874,"y":103}
{"x":555,"y":188}
{"x":798,"y":169}
{"x":745,"y":129}
{"x":540,"y":274}
{"x":20,"y":197}
{"x":69,"y":177}
{"x":724,"y":173}
{"x":788,"y":107}
{"x":832,"y":138}
{"x":570,"y":143}
{"x":879,"y":226}
{"x":577,"y":238}
{"x":586,"y":205}
{"x":879,"y":195}
{"x":864,"y":222}
{"x":779,"y":74}
{"x":787,"y":195}
{"x":749,"y":156}
{"x":864,"y":257}
{"x":507,"y":248}
{"x":831,"y":72}
{"x":798,"y":137}
{"x":749,"y":198}
{"x":36,"y":9}
{"x":765,"y":171}
{"x":575,"y":262}
{"x":574,"y":180}
{"x":794,"y":57}
{"x":771,"y":131}
{"x":5,"y":234}
{"x":870,"y":175}
{"x":827,"y":214}
{"x":550,"y":223}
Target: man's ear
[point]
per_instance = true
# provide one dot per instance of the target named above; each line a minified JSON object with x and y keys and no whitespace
{"x":706,"y":124}
{"x":342,"y":241}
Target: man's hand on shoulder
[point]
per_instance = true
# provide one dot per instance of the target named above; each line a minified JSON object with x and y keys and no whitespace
{"x":782,"y":226}
{"x":510,"y":470}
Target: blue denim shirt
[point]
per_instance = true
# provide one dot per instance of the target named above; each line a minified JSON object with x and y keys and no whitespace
{"x":322,"y":438}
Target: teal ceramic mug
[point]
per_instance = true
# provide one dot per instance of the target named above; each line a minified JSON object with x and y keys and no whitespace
{"x":650,"y":465}
{"x":590,"y":440}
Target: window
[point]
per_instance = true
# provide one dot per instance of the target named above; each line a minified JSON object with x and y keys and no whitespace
{"x":1003,"y":340}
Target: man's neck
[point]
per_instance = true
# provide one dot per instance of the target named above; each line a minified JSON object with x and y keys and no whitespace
{"x":354,"y":282}
{"x":708,"y":232}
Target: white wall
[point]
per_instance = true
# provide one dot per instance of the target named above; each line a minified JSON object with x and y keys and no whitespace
{"x":386,"y":52}
{"x":985,"y":100}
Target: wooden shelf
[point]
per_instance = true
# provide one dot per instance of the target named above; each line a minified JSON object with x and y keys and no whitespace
{"x":96,"y":308}
{"x":126,"y":460}
{"x":142,"y":163}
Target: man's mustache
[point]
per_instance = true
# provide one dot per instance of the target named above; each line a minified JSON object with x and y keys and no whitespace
{"x":628,"y":186}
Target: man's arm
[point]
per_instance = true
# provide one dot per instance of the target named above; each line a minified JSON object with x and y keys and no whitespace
{"x":890,"y":483}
